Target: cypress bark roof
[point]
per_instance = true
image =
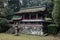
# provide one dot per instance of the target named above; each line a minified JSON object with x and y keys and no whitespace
{"x":31,"y":10}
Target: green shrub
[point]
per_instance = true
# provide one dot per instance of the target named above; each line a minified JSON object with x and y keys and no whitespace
{"x":3,"y":25}
{"x":52,"y":29}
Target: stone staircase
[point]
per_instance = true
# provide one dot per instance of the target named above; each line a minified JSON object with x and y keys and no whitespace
{"x":11,"y":31}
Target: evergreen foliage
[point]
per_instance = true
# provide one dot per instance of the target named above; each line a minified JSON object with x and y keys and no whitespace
{"x":14,"y":4}
{"x":56,"y":12}
{"x":7,"y":14}
{"x":52,"y":29}
{"x":3,"y":25}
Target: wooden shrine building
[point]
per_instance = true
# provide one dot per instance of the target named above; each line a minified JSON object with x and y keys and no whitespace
{"x":31,"y":20}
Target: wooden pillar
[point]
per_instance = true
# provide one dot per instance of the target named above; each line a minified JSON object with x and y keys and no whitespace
{"x":36,"y":16}
{"x":42,"y":29}
{"x":19,"y":24}
{"x":14,"y":25}
{"x":23,"y":17}
{"x":29,"y":16}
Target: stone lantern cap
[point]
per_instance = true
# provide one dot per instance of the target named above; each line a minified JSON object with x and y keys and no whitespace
{"x":16,"y":18}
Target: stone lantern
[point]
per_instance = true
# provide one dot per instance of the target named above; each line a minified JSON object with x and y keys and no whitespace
{"x":16,"y":20}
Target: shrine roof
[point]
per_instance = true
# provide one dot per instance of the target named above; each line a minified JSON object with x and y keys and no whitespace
{"x":27,"y":10}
